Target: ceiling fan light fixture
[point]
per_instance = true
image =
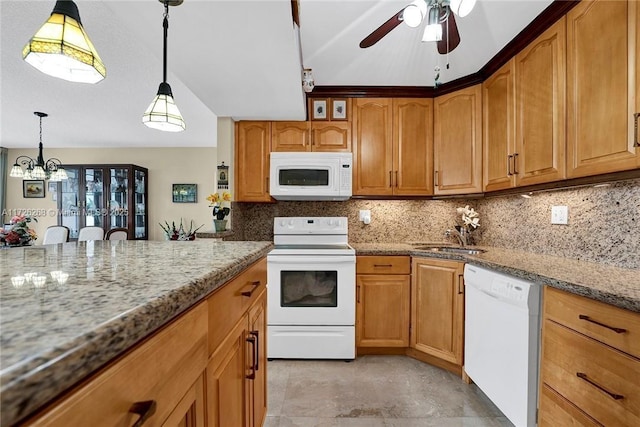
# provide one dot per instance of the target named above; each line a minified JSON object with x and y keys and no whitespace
{"x":414,"y":13}
{"x":61,"y":48}
{"x":433,"y":30}
{"x":462,"y":7}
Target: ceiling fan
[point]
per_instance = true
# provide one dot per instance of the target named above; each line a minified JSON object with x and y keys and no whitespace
{"x":438,"y":13}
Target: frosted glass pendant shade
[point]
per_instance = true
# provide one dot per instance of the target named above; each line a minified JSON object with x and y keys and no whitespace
{"x":16,"y":171}
{"x":414,"y":13}
{"x":163,"y":113}
{"x":462,"y":7}
{"x":61,"y":48}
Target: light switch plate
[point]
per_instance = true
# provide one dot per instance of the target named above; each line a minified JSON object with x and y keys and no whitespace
{"x":559,"y":214}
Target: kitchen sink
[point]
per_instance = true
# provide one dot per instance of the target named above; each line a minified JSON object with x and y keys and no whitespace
{"x":451,"y":249}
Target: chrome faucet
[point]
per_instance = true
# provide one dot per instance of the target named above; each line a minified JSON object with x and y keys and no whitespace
{"x":460,"y":233}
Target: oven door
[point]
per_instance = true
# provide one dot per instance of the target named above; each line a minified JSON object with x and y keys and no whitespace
{"x":311,"y":290}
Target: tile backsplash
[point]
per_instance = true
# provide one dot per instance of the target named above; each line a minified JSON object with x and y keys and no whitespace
{"x":603,"y":221}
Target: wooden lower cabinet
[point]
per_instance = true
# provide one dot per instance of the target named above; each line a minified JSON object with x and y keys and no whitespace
{"x":437,"y":310}
{"x":190,"y":410}
{"x":589,"y":366}
{"x":166,"y":369}
{"x":202,"y":369}
{"x":382,"y":301}
{"x":236,"y":375}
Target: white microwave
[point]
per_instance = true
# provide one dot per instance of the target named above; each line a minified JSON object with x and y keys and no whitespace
{"x":310,"y":176}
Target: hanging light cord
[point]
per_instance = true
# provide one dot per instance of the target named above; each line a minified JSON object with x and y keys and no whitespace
{"x":165,"y":25}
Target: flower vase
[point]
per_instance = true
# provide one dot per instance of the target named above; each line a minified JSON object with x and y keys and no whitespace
{"x":220,"y":224}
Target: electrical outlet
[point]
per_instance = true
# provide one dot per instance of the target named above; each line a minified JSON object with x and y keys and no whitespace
{"x":365,"y":216}
{"x":559,"y":214}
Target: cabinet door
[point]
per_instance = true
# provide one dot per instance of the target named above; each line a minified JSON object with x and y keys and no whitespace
{"x":499,"y":130}
{"x":227,"y":393}
{"x":382,"y":310}
{"x":140,"y":222}
{"x":190,"y":410}
{"x":70,"y":201}
{"x":290,"y":136}
{"x":253,"y":143}
{"x":95,"y":199}
{"x":437,"y":310}
{"x":412,"y":146}
{"x":540,"y":124}
{"x":372,"y":147}
{"x":602,"y":58}
{"x":118,"y":187}
{"x":331,"y":136}
{"x":457,"y":139}
{"x":258,"y":330}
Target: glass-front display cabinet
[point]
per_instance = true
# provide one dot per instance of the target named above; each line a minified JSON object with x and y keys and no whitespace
{"x":107,"y":196}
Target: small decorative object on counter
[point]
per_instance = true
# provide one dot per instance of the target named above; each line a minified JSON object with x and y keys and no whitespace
{"x":221,"y":208}
{"x":173,"y":233}
{"x":470,"y":221}
{"x":18,"y":233}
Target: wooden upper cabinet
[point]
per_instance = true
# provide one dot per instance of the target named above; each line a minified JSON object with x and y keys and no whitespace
{"x":290,"y":136}
{"x":602,"y":87}
{"x":540,"y":114}
{"x":499,"y":130}
{"x":412,"y":146}
{"x":457,"y":139}
{"x":253,"y":144}
{"x":372,"y":147}
{"x":331,"y":136}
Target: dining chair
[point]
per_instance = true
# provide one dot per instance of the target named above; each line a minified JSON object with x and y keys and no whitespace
{"x":56,"y":234}
{"x":117,"y":233}
{"x":90,"y":233}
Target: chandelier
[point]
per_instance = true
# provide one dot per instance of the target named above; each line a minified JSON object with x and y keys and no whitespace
{"x":38,"y":168}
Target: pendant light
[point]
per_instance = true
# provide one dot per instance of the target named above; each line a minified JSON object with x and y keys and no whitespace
{"x":38,"y":168}
{"x":163,"y":113}
{"x":62,"y":49}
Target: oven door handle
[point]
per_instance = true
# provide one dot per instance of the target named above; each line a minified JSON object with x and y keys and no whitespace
{"x":316,"y":260}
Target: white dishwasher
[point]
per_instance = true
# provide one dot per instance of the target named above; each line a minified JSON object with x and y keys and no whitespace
{"x":502,"y":340}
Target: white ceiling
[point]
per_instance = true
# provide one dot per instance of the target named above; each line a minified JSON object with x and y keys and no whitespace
{"x":230,"y":58}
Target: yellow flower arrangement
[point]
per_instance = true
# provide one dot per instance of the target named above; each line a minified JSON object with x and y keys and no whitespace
{"x":217,"y":201}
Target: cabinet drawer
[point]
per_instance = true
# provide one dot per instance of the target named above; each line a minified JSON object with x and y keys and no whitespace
{"x":555,"y":410}
{"x":233,"y":299}
{"x":383,"y":265}
{"x":162,"y":369}
{"x":601,"y":381}
{"x":595,"y":319}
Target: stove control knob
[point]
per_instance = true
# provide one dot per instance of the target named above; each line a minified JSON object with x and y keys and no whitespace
{"x":282,"y":223}
{"x":330,"y":222}
{"x":291,"y":222}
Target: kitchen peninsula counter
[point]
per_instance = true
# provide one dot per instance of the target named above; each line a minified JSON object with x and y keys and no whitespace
{"x":91,"y":301}
{"x":616,"y":286}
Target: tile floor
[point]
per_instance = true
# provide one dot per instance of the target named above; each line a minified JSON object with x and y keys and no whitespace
{"x":374,"y":391}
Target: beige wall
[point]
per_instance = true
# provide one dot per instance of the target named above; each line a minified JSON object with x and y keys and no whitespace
{"x":166,"y":166}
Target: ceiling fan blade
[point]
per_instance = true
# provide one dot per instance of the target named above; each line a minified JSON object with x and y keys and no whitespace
{"x":382,"y":30}
{"x":450,"y":33}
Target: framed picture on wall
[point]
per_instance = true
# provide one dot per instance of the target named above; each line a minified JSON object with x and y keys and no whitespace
{"x":339,"y":109}
{"x":319,"y":109}
{"x":185,"y":193}
{"x":33,"y":189}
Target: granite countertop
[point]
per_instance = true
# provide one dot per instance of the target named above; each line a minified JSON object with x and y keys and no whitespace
{"x":212,"y":234}
{"x":612,"y":285}
{"x":94,"y":300}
